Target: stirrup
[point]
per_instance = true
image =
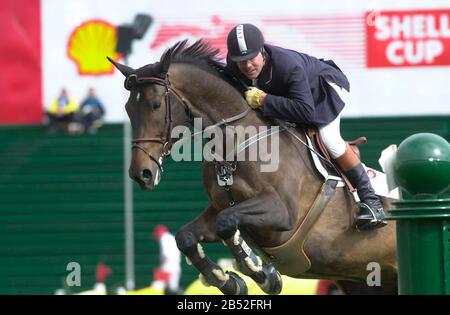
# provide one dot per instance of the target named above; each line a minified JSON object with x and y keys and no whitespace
{"x":369,"y":219}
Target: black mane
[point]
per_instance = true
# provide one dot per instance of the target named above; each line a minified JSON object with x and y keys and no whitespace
{"x":199,"y":54}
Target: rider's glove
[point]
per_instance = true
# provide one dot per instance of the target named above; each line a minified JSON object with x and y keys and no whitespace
{"x":253,"y":97}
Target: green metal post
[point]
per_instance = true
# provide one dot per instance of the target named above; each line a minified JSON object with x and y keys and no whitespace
{"x":422,"y":170}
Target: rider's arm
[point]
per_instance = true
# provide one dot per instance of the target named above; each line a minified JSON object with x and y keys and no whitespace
{"x":297,"y":105}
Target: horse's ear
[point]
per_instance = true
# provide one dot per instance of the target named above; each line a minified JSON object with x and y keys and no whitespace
{"x":125,"y":70}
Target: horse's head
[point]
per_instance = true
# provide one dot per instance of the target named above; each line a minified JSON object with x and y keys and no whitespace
{"x":197,"y":87}
{"x":150,"y":108}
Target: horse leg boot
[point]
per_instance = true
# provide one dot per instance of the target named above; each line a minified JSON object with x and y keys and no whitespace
{"x":260,"y":212}
{"x":371,"y":214}
{"x":229,"y":283}
{"x":247,"y":262}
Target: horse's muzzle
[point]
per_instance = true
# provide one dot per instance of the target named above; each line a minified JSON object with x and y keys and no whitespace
{"x":145,"y":178}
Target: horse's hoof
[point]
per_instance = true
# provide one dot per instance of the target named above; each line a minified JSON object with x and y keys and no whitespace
{"x":235,"y":285}
{"x":273,"y":283}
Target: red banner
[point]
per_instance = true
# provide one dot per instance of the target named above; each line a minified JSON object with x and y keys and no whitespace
{"x":20,"y":62}
{"x":408,"y":38}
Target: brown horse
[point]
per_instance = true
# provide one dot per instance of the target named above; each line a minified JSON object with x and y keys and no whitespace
{"x":270,"y":211}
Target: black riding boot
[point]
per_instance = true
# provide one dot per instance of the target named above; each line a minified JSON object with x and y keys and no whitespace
{"x":371,"y":214}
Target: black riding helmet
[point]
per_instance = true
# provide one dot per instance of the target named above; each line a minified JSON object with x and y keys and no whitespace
{"x":244,"y":42}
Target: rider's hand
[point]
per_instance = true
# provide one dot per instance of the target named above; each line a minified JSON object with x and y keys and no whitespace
{"x":254,"y":97}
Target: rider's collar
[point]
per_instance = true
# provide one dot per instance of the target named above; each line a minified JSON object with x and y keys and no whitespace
{"x":265,"y":77}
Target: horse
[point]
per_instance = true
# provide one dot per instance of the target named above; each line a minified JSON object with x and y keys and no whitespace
{"x":263,"y":218}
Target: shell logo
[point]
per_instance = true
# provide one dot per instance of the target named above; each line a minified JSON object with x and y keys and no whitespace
{"x":90,"y":43}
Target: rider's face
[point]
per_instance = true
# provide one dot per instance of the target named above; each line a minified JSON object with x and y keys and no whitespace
{"x":252,"y":68}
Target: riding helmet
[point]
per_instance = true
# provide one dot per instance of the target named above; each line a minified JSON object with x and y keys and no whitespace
{"x":244,"y":42}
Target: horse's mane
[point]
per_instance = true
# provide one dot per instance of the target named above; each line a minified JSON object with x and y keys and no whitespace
{"x":199,"y":54}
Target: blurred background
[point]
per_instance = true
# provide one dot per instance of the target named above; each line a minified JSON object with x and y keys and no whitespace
{"x":63,"y":189}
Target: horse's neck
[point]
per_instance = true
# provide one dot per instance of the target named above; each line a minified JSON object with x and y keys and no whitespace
{"x":211,"y":98}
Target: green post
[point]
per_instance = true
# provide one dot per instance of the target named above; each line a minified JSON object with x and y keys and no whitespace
{"x":422,"y":170}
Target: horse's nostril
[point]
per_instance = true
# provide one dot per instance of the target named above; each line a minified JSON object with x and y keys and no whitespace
{"x":146,"y":175}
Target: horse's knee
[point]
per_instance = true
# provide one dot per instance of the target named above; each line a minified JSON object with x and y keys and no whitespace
{"x":186,"y":241}
{"x":227,"y":224}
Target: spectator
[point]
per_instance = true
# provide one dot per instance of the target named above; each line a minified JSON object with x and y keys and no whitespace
{"x":91,"y":113}
{"x":169,"y":271}
{"x":61,"y":112}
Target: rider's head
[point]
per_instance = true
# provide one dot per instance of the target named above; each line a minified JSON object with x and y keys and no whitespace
{"x":245,"y":45}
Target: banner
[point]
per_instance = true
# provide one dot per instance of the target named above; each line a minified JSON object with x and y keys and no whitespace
{"x":396,"y":55}
{"x":20,"y":62}
{"x":408,"y":38}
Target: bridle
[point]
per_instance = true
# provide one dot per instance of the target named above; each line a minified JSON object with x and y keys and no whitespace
{"x":166,"y":140}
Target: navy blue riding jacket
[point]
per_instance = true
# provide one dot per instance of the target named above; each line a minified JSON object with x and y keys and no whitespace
{"x":296,"y":86}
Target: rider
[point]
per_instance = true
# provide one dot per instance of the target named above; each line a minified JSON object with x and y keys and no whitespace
{"x":300,"y":88}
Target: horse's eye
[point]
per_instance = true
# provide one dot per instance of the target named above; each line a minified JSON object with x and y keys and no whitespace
{"x":157,"y":105}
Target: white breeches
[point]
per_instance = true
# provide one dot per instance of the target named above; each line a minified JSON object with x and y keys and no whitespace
{"x":331,"y":133}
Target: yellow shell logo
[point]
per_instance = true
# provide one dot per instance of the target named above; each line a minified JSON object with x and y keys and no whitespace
{"x":90,"y":43}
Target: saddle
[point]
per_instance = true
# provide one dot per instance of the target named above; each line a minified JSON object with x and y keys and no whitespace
{"x":319,"y":146}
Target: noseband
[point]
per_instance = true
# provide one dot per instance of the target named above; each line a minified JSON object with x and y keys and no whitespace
{"x":166,"y":141}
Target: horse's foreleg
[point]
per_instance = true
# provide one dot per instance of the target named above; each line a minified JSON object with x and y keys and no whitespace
{"x":260,"y":212}
{"x":188,"y":238}
{"x":247,"y":262}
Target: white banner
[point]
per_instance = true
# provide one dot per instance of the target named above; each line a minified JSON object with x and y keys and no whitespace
{"x":77,"y":35}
